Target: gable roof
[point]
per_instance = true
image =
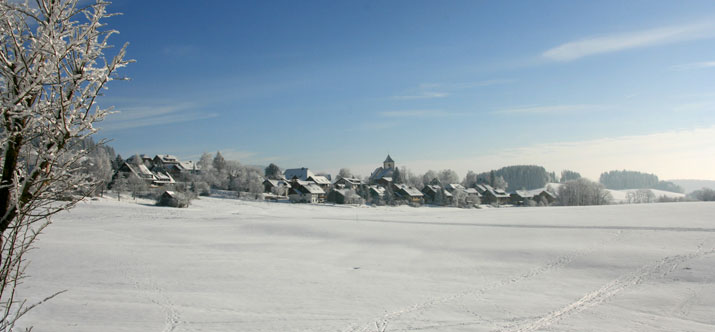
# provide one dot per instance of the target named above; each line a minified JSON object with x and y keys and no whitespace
{"x":312,"y":188}
{"x":299,"y":173}
{"x":319,"y":179}
{"x":353,"y":181}
{"x":167,"y":158}
{"x":411,"y":191}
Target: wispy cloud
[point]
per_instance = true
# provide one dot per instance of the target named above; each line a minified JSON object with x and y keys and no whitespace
{"x":629,"y":40}
{"x":444,"y":90}
{"x":159,"y":114}
{"x":422,"y":95}
{"x":694,"y":65}
{"x":549,"y":109}
{"x":416,"y":114}
{"x":708,"y":106}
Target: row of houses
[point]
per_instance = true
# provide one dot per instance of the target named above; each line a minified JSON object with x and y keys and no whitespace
{"x":160,"y":170}
{"x":301,"y":185}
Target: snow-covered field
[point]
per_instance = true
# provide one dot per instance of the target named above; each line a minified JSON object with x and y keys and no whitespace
{"x":228,"y":265}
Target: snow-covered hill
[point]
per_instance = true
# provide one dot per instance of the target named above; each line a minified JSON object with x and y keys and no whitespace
{"x":228,"y":265}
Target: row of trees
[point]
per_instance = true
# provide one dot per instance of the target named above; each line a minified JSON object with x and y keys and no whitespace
{"x":514,"y":177}
{"x":624,"y":179}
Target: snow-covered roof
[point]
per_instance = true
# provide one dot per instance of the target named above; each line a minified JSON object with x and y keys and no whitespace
{"x":313,"y":188}
{"x":382,"y":173}
{"x":167,"y":158}
{"x":471,"y":191}
{"x":412,"y":191}
{"x":380,"y":191}
{"x":353,"y":181}
{"x":299,"y":173}
{"x":523,"y":193}
{"x":454,"y":186}
{"x":143,"y":169}
{"x":189,"y":165}
{"x":319,"y":179}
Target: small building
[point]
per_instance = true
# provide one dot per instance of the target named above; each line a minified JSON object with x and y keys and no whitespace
{"x":492,"y":195}
{"x":163,"y":160}
{"x":279,"y":187}
{"x":348,"y":183}
{"x":435,"y":194}
{"x":162,"y":178}
{"x":376,"y":194}
{"x":545,"y":197}
{"x":321,"y":181}
{"x":520,"y":197}
{"x":298,"y":173}
{"x":172,"y":199}
{"x":306,"y":193}
{"x":409,"y":194}
{"x":140,"y":171}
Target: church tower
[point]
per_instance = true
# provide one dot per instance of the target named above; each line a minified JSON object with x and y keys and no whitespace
{"x":388,"y":163}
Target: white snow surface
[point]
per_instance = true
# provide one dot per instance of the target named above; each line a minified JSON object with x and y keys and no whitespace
{"x":231,"y":265}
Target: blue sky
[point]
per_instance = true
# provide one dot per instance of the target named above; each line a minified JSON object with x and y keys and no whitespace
{"x":468,"y":85}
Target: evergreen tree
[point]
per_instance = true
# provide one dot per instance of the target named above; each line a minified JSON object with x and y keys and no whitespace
{"x":397,"y":177}
{"x":273,"y":171}
{"x":219,"y":163}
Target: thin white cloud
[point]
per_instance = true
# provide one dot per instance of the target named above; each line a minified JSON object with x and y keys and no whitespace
{"x":415,"y":114}
{"x":145,"y":116}
{"x":687,"y":153}
{"x":695,"y":107}
{"x":422,"y":95}
{"x":549,"y":109}
{"x":629,"y":40}
{"x":695,"y":65}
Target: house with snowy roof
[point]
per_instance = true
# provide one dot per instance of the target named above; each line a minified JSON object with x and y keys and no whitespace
{"x":435,"y":194}
{"x":408,"y":194}
{"x":165,"y":160}
{"x":348,"y":183}
{"x":491,"y":195}
{"x":306,"y":192}
{"x":298,"y":173}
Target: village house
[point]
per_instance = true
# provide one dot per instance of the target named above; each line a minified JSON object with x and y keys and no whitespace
{"x":164,"y":160}
{"x":435,"y":194}
{"x":321,"y":181}
{"x":520,"y":197}
{"x":545,"y":197}
{"x":142,"y":172}
{"x":376,"y":193}
{"x":408,"y":194}
{"x":348,"y":183}
{"x":306,"y":192}
{"x":298,"y":173}
{"x":492,"y":195}
{"x":279,"y":187}
{"x":471,"y":193}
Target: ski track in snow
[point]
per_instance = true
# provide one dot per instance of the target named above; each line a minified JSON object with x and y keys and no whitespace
{"x":660,"y":268}
{"x":149,"y":287}
{"x":382,"y":323}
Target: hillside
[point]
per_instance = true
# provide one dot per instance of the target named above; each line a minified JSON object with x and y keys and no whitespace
{"x":692,"y":185}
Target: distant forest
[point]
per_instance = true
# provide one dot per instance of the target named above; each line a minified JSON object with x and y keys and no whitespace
{"x":619,"y":180}
{"x":519,"y":177}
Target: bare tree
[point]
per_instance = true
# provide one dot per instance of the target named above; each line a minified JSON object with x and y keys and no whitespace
{"x":52,"y":69}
